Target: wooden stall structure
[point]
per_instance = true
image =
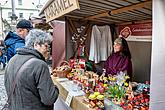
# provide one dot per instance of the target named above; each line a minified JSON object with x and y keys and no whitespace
{"x":105,"y":11}
{"x":115,"y":13}
{"x":86,"y":13}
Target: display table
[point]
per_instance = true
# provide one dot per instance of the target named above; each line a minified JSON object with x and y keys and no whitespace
{"x":110,"y":105}
{"x":77,"y":102}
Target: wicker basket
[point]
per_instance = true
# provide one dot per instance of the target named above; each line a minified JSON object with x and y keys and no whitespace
{"x":62,"y":73}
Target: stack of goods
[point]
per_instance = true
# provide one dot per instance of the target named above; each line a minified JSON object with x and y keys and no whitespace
{"x":129,"y":96}
{"x":62,"y":71}
{"x":139,"y":99}
{"x":116,"y":89}
{"x":96,"y":100}
{"x":77,"y":63}
{"x":90,"y":83}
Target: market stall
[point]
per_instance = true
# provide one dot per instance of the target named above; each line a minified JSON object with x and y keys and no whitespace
{"x":116,"y":14}
{"x":83,"y":17}
{"x":97,"y":92}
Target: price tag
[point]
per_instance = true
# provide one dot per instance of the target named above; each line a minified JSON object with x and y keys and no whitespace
{"x":69,"y":99}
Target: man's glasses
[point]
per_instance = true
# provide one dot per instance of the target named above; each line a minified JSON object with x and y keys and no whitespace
{"x":46,"y":45}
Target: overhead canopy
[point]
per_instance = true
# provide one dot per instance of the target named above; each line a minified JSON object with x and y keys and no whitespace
{"x":108,"y":11}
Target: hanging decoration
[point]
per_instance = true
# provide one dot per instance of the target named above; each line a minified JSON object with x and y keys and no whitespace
{"x":78,"y":37}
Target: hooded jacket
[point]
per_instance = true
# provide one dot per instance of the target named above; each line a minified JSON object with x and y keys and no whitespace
{"x":34,"y":88}
{"x":12,"y":42}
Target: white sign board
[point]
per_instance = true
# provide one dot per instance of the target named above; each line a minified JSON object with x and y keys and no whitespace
{"x":60,"y":7}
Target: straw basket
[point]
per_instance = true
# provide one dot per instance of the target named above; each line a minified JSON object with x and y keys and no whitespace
{"x":62,"y":73}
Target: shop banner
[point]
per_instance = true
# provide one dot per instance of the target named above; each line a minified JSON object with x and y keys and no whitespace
{"x":60,"y":7}
{"x":136,"y":32}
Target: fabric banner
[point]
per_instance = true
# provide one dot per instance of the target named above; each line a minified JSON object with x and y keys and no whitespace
{"x":58,"y":47}
{"x":136,"y":32}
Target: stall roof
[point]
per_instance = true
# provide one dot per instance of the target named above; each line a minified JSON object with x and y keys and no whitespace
{"x":110,"y":11}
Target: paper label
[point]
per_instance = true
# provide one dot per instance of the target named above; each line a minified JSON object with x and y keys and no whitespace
{"x":69,"y":99}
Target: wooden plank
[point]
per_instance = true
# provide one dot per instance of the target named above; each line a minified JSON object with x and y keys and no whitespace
{"x":109,"y":3}
{"x":135,"y":22}
{"x":112,"y":19}
{"x":97,"y":4}
{"x":76,"y":103}
{"x":143,"y":12}
{"x":84,"y":12}
{"x":101,"y":21}
{"x":98,"y":15}
{"x":129,"y":15}
{"x":125,"y":3}
{"x":93,"y":7}
{"x":74,"y":16}
{"x":120,"y":10}
{"x":87,"y":8}
{"x":131,"y":1}
{"x":72,"y":26}
{"x":60,"y":7}
{"x":136,"y":6}
{"x":140,"y":13}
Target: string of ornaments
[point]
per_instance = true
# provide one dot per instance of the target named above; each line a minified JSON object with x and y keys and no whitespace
{"x":79,"y":38}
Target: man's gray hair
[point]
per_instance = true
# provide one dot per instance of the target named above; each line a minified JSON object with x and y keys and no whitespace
{"x":37,"y":36}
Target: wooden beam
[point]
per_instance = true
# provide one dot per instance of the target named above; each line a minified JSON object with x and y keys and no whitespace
{"x":97,"y":16}
{"x":99,"y":21}
{"x":120,"y":10}
{"x":72,"y":26}
{"x":135,"y":22}
{"x":132,"y":7}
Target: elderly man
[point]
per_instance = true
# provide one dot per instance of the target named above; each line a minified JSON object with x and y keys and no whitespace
{"x":15,"y":40}
{"x":30,"y":77}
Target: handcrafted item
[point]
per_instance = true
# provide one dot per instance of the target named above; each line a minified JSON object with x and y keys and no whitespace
{"x":63,"y":70}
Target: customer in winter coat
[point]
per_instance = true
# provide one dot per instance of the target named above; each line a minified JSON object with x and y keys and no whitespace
{"x":120,"y":60}
{"x":34,"y":87}
{"x":16,"y":40}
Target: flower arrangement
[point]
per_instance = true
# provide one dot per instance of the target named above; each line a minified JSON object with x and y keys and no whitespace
{"x":117,"y":87}
{"x":116,"y":92}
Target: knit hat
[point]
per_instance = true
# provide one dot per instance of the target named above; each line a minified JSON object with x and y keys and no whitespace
{"x":118,"y":41}
{"x":26,"y":24}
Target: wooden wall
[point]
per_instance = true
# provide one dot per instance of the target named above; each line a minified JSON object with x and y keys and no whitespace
{"x":141,"y":59}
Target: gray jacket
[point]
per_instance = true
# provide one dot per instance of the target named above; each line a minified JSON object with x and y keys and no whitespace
{"x":34,"y":88}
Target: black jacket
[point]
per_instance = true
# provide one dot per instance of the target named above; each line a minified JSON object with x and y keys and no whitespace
{"x":34,"y":88}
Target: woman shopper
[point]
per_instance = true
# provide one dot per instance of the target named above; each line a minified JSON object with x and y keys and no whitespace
{"x":34,"y":88}
{"x":120,"y":59}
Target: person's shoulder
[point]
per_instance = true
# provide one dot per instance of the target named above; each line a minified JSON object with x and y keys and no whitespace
{"x":112,"y":55}
{"x":11,"y":35}
{"x":39,"y":62}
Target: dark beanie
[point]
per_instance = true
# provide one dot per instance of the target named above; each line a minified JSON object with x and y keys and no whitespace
{"x":26,"y":24}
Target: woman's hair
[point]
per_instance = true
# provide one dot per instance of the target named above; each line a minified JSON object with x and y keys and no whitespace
{"x":125,"y":49}
{"x":37,"y":36}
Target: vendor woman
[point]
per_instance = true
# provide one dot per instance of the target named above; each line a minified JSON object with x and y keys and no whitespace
{"x":120,"y":59}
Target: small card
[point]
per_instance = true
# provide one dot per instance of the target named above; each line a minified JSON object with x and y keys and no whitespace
{"x":69,"y":99}
{"x":62,"y":79}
